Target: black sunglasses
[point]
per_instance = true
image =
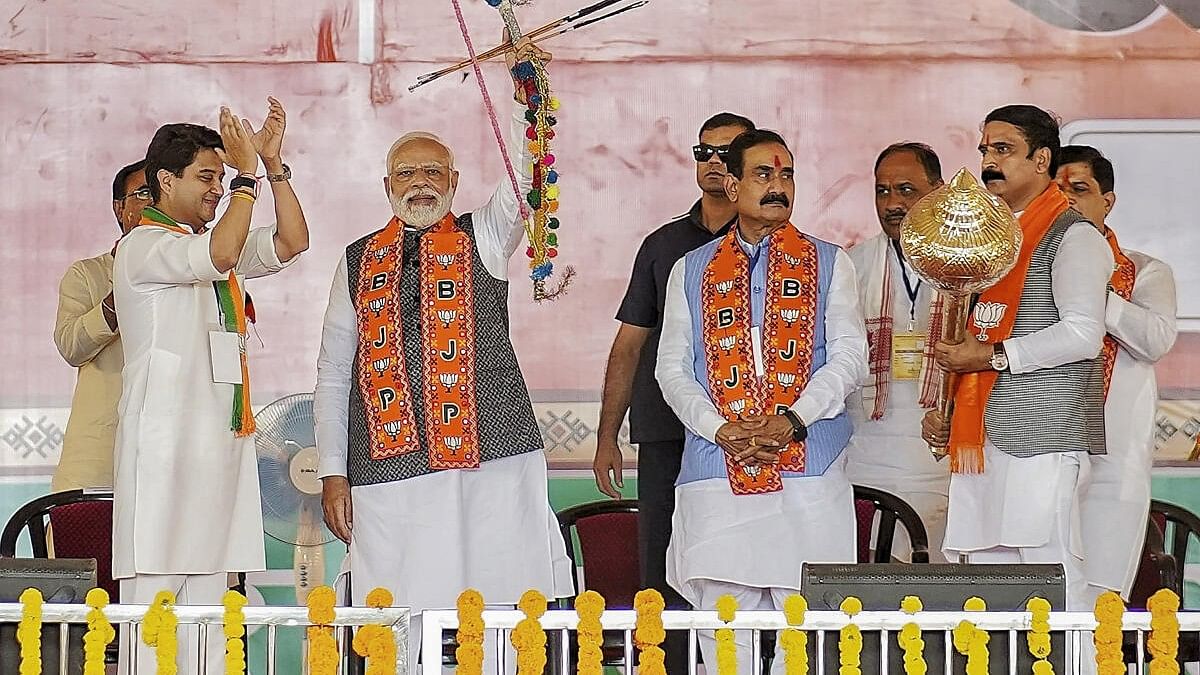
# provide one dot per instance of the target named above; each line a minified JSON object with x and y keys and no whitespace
{"x":703,"y":151}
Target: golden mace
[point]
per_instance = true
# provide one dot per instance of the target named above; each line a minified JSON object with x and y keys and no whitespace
{"x":962,"y":240}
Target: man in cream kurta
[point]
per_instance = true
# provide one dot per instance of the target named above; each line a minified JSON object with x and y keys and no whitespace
{"x":1016,"y":501}
{"x":423,"y":531}
{"x":88,"y":337}
{"x":886,"y":451}
{"x":726,"y":538}
{"x":1116,"y":503}
{"x":187,"y":510}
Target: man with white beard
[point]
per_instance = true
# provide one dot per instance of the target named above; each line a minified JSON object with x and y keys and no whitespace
{"x":430,"y":455}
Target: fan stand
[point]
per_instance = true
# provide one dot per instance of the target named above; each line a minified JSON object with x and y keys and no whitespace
{"x":308,"y":558}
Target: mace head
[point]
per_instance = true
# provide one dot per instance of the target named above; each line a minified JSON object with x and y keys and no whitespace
{"x":960,"y":238}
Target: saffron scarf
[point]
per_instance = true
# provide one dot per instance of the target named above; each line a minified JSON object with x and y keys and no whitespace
{"x":788,"y":332}
{"x":233,"y":303}
{"x":1124,"y":273}
{"x":447,"y":323}
{"x":991,"y":322}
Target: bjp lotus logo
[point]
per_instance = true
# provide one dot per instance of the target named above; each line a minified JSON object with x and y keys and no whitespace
{"x":727,"y":342}
{"x":448,"y":380}
{"x":723,"y":287}
{"x":789,"y":316}
{"x":445,"y":259}
{"x":987,"y":316}
{"x":447,"y":316}
{"x":382,"y":252}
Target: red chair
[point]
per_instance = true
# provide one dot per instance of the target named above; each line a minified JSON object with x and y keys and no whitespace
{"x":82,"y":526}
{"x":608,"y":548}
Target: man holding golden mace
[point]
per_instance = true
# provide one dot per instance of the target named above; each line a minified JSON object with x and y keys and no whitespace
{"x":1027,"y":408}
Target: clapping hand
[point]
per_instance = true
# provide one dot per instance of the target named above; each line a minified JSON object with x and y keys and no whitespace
{"x":237,"y":137}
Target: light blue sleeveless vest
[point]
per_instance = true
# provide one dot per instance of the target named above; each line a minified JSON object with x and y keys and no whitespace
{"x":827,"y":438}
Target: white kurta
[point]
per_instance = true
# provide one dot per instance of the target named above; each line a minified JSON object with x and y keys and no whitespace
{"x":889,"y":453}
{"x":430,"y":537}
{"x":1117,"y":501}
{"x":186,"y":497}
{"x":762,"y":540}
{"x":1032,"y":502}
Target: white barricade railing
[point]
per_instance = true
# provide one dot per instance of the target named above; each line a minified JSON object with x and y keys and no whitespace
{"x":214,"y":616}
{"x":560,"y":623}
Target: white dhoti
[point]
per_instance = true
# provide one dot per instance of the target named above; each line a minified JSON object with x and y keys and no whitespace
{"x":753,"y":546}
{"x":429,"y":538}
{"x":1021,"y":510}
{"x":189,"y":589}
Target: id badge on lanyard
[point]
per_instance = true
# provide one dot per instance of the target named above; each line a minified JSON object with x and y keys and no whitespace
{"x":226,"y":349}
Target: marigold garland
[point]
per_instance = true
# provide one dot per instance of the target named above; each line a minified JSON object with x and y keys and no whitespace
{"x":528,"y":637}
{"x":159,"y":631}
{"x":590,"y":606}
{"x":910,"y":639}
{"x":726,"y":647}
{"x":1108,"y":638}
{"x":322,"y":647}
{"x":850,"y":640}
{"x":235,"y":631}
{"x":649,"y":633}
{"x":375,"y":641}
{"x":793,"y":640}
{"x":1038,"y":638}
{"x":99,"y":632}
{"x":29,"y":632}
{"x":469,"y":654}
{"x":1164,"y":632}
{"x":971,"y":641}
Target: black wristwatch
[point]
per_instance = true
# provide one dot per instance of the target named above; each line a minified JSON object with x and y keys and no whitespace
{"x":242,"y":181}
{"x":799,"y":429}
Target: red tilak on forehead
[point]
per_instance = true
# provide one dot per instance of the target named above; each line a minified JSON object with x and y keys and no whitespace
{"x":778,"y":164}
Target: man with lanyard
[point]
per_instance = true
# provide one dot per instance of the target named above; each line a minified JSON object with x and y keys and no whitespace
{"x":430,"y":456}
{"x":1029,"y":408}
{"x":762,"y":341}
{"x":629,"y":384}
{"x":186,"y":506}
{"x":903,"y":319}
{"x":88,"y":337}
{"x":1140,"y":320}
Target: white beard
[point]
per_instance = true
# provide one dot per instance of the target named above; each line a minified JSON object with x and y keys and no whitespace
{"x":421,"y":217}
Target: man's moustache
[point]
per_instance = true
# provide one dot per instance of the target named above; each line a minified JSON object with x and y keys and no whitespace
{"x":774,"y":199}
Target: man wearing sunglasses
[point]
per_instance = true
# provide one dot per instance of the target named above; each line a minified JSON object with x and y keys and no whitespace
{"x":87,"y":337}
{"x":629,"y":383}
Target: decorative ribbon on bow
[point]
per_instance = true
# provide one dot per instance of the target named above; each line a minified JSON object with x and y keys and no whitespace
{"x":541,"y":225}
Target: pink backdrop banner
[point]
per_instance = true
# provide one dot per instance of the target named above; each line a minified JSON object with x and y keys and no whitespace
{"x":84,"y":86}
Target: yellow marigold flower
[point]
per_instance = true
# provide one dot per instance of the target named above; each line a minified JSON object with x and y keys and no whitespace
{"x":470,"y":599}
{"x":975,"y":604}
{"x":533,"y":603}
{"x":1038,"y":605}
{"x":97,"y":598}
{"x":794,"y":608}
{"x":911,"y":604}
{"x":379,"y":598}
{"x":851,"y":605}
{"x":1163,"y":600}
{"x":726,"y":608}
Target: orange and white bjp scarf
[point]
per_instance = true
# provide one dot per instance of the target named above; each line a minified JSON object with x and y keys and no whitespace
{"x":1124,"y":273}
{"x":788,"y":332}
{"x":992,"y":321}
{"x":233,"y":303}
{"x":447,"y":325}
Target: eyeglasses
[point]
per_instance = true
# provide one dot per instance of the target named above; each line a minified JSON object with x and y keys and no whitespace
{"x":142,"y":194}
{"x":702,"y":151}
